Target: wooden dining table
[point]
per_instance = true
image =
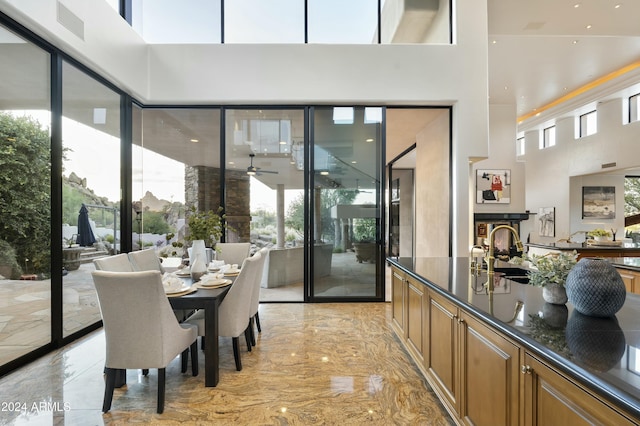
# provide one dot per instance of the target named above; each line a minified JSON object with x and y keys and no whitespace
{"x":209,"y":300}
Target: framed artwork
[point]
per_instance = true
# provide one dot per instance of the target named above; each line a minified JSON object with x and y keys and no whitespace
{"x":598,"y":202}
{"x":482,"y":230}
{"x":493,"y":186}
{"x":546,"y":221}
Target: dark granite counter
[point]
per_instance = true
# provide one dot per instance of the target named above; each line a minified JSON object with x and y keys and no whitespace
{"x":603,"y":354}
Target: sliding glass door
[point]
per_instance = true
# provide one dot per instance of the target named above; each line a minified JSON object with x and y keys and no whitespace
{"x":345,"y":203}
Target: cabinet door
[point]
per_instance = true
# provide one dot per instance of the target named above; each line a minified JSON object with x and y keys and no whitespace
{"x":398,"y":296}
{"x":631,"y":280}
{"x":415,"y":317}
{"x":553,"y":399}
{"x":441,"y":356}
{"x":490,"y":375}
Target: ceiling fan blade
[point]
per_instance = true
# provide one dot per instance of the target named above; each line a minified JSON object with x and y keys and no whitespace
{"x":268,"y":171}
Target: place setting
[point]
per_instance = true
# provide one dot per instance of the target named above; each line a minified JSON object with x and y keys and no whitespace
{"x":210,"y":281}
{"x":174,"y":286}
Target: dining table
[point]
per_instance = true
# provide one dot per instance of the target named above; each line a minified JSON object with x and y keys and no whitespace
{"x":209,"y":300}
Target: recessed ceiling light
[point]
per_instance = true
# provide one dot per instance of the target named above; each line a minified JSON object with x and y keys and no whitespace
{"x":354,"y":162}
{"x":283,"y":143}
{"x":506,"y":87}
{"x":231,"y":162}
{"x":589,"y":26}
{"x":494,"y":41}
{"x":369,"y":140}
{"x":195,"y":140}
{"x":617,"y":6}
{"x":577,"y":5}
{"x":575,"y":41}
{"x":324,"y":173}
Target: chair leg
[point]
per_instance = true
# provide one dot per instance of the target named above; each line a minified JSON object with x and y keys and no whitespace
{"x":184,"y":358}
{"x":109,"y":385}
{"x":161,"y":382}
{"x":145,"y":371}
{"x":236,"y":353}
{"x":194,"y":358}
{"x":202,"y":343}
{"x":247,"y":338}
{"x":257,"y":316}
{"x":252,"y":333}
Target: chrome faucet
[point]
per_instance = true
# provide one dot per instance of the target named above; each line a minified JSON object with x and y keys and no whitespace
{"x":490,"y":257}
{"x":473,"y":264}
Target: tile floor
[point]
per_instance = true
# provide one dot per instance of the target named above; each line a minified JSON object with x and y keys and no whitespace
{"x":315,"y":364}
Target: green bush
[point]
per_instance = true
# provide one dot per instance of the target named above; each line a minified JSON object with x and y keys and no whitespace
{"x":25,"y":176}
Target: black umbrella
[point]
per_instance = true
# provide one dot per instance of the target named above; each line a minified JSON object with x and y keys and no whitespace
{"x":85,"y":234}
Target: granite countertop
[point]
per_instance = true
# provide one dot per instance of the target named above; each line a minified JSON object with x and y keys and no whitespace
{"x":602,"y":353}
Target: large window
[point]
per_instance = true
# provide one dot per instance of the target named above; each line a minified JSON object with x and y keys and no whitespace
{"x":548,"y":137}
{"x":588,"y":124}
{"x":91,"y":189}
{"x":259,"y":21}
{"x":169,"y":21}
{"x":634,"y":108}
{"x":25,"y":202}
{"x":284,"y":21}
{"x":520,"y":150}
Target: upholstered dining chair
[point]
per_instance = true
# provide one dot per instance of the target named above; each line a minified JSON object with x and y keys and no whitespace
{"x":255,"y":297}
{"x":115,"y":263}
{"x":145,"y":260}
{"x":234,"y":310}
{"x":140,"y":328}
{"x":233,"y":252}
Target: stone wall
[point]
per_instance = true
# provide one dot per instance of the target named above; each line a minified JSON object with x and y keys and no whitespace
{"x":202,"y":190}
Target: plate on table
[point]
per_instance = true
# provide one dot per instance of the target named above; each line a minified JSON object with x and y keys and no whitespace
{"x":175,"y":290}
{"x":183,"y":273}
{"x":215,"y":283}
{"x":231,"y":272}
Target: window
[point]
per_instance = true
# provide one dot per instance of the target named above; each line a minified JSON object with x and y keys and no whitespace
{"x":520,"y":146}
{"x":257,"y":21}
{"x":588,"y":123}
{"x":549,"y":137}
{"x":634,"y":108}
{"x":337,"y":21}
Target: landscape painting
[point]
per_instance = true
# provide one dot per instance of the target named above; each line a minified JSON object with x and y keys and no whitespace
{"x":598,"y":202}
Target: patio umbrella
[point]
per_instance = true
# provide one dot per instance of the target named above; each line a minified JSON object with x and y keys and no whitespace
{"x":85,"y":234}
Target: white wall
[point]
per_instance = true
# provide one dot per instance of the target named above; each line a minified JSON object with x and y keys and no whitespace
{"x":299,"y":74}
{"x":555,"y":176}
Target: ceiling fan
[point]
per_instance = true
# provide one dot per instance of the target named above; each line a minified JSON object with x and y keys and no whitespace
{"x":257,"y":171}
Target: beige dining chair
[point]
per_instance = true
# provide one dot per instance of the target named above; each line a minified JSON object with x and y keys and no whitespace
{"x":233,"y":252}
{"x":145,"y":260}
{"x":254,"y":318}
{"x":140,"y":329}
{"x":234,"y":310}
{"x":115,"y":263}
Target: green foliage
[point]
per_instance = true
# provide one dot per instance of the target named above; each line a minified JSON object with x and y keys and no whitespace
{"x":364,"y":230}
{"x":262,"y":218}
{"x":25,"y":176}
{"x":154,"y":223}
{"x":205,"y":226}
{"x":599,"y":232}
{"x":631,"y":196}
{"x":110,"y":238}
{"x":551,"y":268}
{"x":295,"y":214}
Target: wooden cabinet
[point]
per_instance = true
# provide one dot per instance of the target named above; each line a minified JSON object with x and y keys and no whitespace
{"x":398,"y":300}
{"x":441,"y":355}
{"x":415,"y":318}
{"x":551,"y":398}
{"x":489,"y":375}
{"x":481,"y":376}
{"x":475,"y":370}
{"x":631,"y":280}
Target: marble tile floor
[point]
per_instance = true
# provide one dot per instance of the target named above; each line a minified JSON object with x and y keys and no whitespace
{"x":315,"y":364}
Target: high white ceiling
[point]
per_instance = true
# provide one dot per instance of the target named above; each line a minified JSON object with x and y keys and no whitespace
{"x":540,"y":50}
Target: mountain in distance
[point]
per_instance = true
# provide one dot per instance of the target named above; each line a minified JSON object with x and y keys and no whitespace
{"x":153,"y":203}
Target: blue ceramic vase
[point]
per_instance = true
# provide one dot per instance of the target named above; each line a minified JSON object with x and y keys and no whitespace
{"x":595,"y":288}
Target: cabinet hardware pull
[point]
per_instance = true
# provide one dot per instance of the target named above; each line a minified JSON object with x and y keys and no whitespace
{"x":460,"y":321}
{"x":526,"y":369}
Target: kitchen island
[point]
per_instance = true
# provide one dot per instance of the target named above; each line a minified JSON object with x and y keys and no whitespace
{"x":512,"y":358}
